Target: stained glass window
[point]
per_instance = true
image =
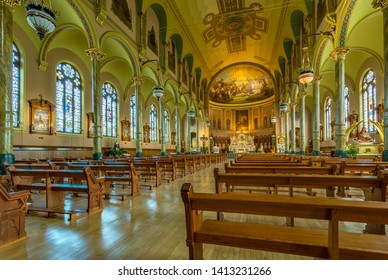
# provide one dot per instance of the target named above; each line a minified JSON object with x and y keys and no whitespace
{"x":166,"y":127}
{"x":133,"y":116}
{"x":328,"y":119}
{"x":15,"y":87}
{"x":109,"y":110}
{"x":347,"y":104}
{"x":153,"y":123}
{"x":68,"y":99}
{"x":369,"y":99}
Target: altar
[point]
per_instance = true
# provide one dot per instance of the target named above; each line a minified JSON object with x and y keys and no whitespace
{"x":241,"y":143}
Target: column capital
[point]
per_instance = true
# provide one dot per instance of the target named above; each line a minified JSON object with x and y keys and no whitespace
{"x":380,"y":4}
{"x":11,"y":3}
{"x":339,"y":53}
{"x":317,"y":79}
{"x":137,"y":80}
{"x":178,"y":105}
{"x":95,"y":53}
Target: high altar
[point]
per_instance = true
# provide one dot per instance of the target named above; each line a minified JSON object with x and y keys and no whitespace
{"x":241,"y":143}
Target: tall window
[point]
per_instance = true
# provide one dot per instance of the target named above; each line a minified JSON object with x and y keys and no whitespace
{"x":328,"y":111}
{"x":347,"y":104}
{"x":133,"y":116}
{"x":369,"y":99}
{"x":68,"y":99}
{"x":109,"y":110}
{"x":153,"y":123}
{"x":15,"y":87}
{"x":166,"y":127}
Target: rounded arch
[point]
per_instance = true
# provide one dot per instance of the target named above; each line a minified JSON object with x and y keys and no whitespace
{"x":178,"y":41}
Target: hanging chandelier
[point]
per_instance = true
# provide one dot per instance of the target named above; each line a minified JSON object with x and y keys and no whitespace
{"x":306,"y":74}
{"x":191,"y":113}
{"x":41,"y":17}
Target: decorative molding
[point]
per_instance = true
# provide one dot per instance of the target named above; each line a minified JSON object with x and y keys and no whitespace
{"x":380,"y":4}
{"x":137,"y":80}
{"x":345,"y":23}
{"x":11,"y":3}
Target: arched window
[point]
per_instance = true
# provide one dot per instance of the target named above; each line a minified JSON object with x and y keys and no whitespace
{"x":133,"y":116}
{"x":109,"y":110}
{"x":153,"y":123}
{"x":369,"y":99}
{"x":347,"y":106}
{"x":15,"y":86}
{"x":68,"y":99}
{"x":328,"y":111}
{"x":166,"y":127}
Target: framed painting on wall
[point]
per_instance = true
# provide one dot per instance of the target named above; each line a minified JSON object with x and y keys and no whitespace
{"x":125,"y":130}
{"x":41,"y":116}
{"x":90,"y":120}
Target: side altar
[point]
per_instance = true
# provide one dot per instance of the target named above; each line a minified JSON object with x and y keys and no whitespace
{"x":242,"y":143}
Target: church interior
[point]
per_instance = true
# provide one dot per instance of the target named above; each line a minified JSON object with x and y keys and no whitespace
{"x":148,"y":84}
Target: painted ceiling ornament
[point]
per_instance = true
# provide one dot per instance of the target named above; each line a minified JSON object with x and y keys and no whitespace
{"x":380,"y":4}
{"x":233,"y":23}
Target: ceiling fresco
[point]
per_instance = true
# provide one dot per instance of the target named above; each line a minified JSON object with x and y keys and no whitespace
{"x":241,"y":83}
{"x":233,"y":24}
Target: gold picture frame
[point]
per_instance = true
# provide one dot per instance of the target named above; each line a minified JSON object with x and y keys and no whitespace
{"x":41,"y":116}
{"x":125,"y":130}
{"x":90,"y":120}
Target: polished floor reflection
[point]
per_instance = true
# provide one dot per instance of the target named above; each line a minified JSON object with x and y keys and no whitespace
{"x":148,"y":227}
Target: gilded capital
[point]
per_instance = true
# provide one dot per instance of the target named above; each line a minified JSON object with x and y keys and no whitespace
{"x":138,"y":80}
{"x":11,"y":3}
{"x":339,"y":53}
{"x":317,"y":79}
{"x":178,"y":105}
{"x":95,"y":53}
{"x":380,"y":4}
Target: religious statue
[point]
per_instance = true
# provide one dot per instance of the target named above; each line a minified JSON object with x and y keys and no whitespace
{"x":353,"y":118}
{"x":364,"y":137}
{"x":116,"y":146}
{"x":380,"y":111}
{"x":146,"y":131}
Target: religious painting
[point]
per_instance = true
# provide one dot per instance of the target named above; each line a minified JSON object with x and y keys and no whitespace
{"x":242,"y":120}
{"x":241,"y":83}
{"x":171,"y":56}
{"x":90,"y":123}
{"x":125,"y":130}
{"x":41,"y":117}
{"x":151,"y":42}
{"x":121,"y":10}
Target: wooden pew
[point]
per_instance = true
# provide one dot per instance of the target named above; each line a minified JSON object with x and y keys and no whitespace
{"x":180,"y":166}
{"x":328,"y":243}
{"x":13,"y":208}
{"x":114,"y":174}
{"x":55,"y":192}
{"x":167,"y":168}
{"x":267,"y":163}
{"x":149,"y":171}
{"x":374,"y":187}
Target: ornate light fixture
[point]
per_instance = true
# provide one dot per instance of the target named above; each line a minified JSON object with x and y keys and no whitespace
{"x":191,"y":113}
{"x":158,"y":91}
{"x":273,"y":119}
{"x":283,"y":107}
{"x":306,"y":75}
{"x":41,"y":17}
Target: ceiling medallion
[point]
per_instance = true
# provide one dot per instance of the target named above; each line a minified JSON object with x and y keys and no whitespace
{"x":233,"y":23}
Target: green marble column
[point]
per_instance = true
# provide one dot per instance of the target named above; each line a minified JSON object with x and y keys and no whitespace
{"x":302,"y":96}
{"x":178,"y":128}
{"x":286,"y":127}
{"x":293,"y":136}
{"x":188,"y":150}
{"x":162,"y":136}
{"x":316,"y":117}
{"x":6,"y":30}
{"x":340,"y":125}
{"x":383,"y":4}
{"x":138,"y":81}
{"x":96,"y":55}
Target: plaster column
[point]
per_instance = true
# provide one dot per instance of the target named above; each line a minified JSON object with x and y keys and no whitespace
{"x":316,"y":117}
{"x":138,"y":81}
{"x":302,"y":96}
{"x":293,"y":140}
{"x":96,"y":55}
{"x":340,"y":125}
{"x":383,"y":4}
{"x":178,"y":128}
{"x":6,"y":30}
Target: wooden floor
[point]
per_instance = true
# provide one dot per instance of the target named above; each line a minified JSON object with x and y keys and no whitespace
{"x":148,"y":227}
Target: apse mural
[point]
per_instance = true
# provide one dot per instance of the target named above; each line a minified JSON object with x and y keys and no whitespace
{"x":241,"y":83}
